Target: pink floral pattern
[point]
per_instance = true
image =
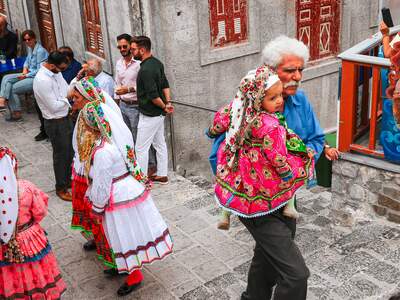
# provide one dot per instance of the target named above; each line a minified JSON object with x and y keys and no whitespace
{"x":267,"y":174}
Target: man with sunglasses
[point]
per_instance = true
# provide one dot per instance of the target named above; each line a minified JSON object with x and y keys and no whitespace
{"x":277,"y":260}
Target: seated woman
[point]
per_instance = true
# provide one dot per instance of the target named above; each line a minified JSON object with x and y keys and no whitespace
{"x":28,"y":268}
{"x":133,"y":227}
{"x":14,"y":84}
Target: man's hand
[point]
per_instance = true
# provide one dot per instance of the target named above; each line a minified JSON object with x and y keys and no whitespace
{"x":20,"y":77}
{"x":383,"y":28}
{"x":122,"y":90}
{"x":169,"y":109}
{"x":331,"y":153}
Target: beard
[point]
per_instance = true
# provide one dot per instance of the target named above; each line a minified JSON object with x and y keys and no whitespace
{"x":138,"y":57}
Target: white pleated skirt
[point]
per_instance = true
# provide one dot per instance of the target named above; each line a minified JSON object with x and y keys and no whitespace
{"x":137,"y":235}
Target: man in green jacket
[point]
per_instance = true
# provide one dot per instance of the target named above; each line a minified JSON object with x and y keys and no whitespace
{"x":153,"y":95}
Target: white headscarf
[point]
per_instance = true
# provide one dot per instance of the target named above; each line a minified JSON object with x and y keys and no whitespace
{"x":8,"y":194}
{"x":113,"y":128}
{"x":84,"y":86}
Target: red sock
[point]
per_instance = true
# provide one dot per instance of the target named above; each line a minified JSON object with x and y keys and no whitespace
{"x":135,"y":277}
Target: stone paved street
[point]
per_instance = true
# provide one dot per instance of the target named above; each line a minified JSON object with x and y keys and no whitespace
{"x":362,"y":262}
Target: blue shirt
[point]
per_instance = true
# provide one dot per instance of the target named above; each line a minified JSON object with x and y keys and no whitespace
{"x":34,"y":59}
{"x":72,"y":70}
{"x":301,"y":118}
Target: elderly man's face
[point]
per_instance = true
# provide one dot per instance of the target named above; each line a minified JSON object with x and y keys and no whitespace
{"x":290,"y":73}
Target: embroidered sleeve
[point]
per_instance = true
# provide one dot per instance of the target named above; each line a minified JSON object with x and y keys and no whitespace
{"x":39,"y":203}
{"x":100,"y":190}
{"x":274,"y":147}
{"x":221,"y":121}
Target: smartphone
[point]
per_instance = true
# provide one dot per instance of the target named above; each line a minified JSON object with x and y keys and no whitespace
{"x":387,"y":17}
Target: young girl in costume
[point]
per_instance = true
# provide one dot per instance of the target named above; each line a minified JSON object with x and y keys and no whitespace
{"x":28,"y":268}
{"x":261,"y":163}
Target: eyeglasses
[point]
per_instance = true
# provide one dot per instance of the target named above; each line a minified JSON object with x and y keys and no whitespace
{"x":27,"y":40}
{"x":122,"y":47}
{"x":292,"y":70}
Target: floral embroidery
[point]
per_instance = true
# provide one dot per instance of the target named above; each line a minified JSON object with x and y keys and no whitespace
{"x":237,"y":181}
{"x":253,"y":155}
{"x":268,"y":143}
{"x":134,"y":167}
{"x":222,"y":171}
{"x":267,"y":173}
{"x":253,"y":174}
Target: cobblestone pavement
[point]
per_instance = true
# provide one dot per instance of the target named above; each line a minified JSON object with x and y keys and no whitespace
{"x":357,"y":263}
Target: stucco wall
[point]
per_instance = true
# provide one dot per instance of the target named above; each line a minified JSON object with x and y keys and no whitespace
{"x":176,"y":29}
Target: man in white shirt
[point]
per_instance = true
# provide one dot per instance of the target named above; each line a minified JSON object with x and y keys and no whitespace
{"x":50,"y":91}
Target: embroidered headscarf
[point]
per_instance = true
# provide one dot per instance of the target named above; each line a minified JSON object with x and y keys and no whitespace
{"x":247,"y":104}
{"x":89,"y":88}
{"x":112,"y":127}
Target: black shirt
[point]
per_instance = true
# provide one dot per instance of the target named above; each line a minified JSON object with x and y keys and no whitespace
{"x":8,"y":44}
{"x":150,"y":82}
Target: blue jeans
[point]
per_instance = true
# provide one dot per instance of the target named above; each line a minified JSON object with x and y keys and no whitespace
{"x":11,"y":87}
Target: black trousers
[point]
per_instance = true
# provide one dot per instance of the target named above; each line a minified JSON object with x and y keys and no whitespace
{"x":60,"y":135}
{"x":277,"y":260}
{"x":40,"y":115}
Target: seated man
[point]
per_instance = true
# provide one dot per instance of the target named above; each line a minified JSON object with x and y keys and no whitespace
{"x":14,"y":84}
{"x":8,"y":40}
{"x":8,"y":47}
{"x":74,"y":66}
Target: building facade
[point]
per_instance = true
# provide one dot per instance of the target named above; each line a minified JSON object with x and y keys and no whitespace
{"x":207,"y":46}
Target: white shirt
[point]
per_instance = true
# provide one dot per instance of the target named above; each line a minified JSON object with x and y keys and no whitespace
{"x":50,"y":91}
{"x":106,"y":83}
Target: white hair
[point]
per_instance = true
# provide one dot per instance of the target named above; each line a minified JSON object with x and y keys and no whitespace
{"x":95,"y":66}
{"x":276,"y":49}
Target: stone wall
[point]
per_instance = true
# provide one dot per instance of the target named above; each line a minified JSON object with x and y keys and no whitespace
{"x":361,"y":192}
{"x":179,"y":31}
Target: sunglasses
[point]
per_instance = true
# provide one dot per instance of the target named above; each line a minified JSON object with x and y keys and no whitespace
{"x":123,"y":47}
{"x":27,"y":40}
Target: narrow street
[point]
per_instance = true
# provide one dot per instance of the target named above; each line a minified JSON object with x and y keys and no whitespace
{"x":345,"y":263}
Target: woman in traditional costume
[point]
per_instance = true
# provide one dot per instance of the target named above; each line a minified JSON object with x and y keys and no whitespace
{"x":117,"y":191}
{"x":28,"y":268}
{"x":84,"y":91}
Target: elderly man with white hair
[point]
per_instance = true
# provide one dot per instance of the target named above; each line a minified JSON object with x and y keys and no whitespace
{"x":94,"y":67}
{"x":277,"y":261}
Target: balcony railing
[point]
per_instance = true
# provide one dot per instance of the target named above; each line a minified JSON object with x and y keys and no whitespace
{"x":361,"y":96}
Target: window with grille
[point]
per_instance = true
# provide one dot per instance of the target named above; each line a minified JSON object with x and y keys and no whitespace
{"x":92,"y":26}
{"x":228,"y":22}
{"x":2,"y":7}
{"x":318,"y":25}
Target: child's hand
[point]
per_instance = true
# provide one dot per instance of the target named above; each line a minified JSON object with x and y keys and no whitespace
{"x":310,"y":153}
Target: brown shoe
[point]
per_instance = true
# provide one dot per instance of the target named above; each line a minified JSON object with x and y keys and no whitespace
{"x":64,"y":195}
{"x":159,"y":179}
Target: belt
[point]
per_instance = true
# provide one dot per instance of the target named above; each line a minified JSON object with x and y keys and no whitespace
{"x":57,"y":119}
{"x":25,"y":226}
{"x":130,"y":102}
{"x":115,"y":179}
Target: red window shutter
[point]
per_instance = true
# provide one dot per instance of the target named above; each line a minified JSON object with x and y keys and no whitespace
{"x":318,"y":23}
{"x":94,"y":37}
{"x":2,"y":7}
{"x":228,"y":22}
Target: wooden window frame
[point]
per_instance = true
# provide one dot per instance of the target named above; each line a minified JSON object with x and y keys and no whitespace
{"x":228,"y":22}
{"x":3,"y":10}
{"x":92,"y":27}
{"x":316,"y":19}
